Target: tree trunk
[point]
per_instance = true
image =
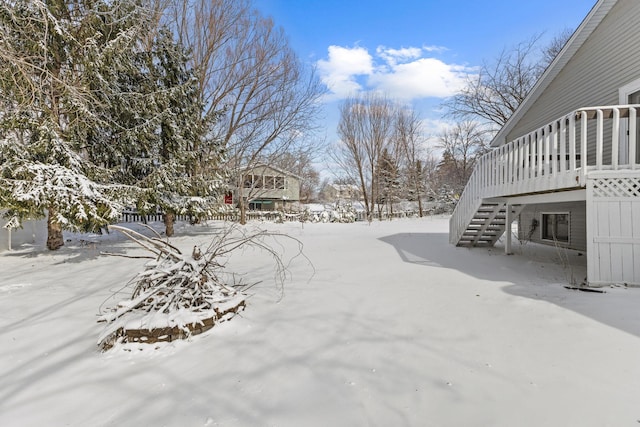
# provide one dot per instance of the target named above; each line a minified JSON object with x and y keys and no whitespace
{"x":420,"y":205}
{"x":55,"y":240}
{"x":169,"y":220}
{"x":243,"y":212}
{"x":241,"y":201}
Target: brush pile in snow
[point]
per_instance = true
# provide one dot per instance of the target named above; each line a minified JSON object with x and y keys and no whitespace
{"x":175,"y":297}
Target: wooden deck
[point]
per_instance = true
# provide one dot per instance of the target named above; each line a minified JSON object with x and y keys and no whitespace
{"x":590,"y":154}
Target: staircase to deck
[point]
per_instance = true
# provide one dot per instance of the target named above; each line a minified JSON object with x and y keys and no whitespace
{"x":488,"y":224}
{"x":555,"y":157}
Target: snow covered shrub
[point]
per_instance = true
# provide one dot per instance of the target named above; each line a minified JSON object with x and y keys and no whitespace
{"x":305,"y":216}
{"x":345,"y":213}
{"x":178,"y":295}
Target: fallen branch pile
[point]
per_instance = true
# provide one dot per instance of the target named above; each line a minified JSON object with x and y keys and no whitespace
{"x":178,"y":295}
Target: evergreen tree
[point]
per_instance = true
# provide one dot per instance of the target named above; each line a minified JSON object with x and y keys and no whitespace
{"x":388,"y":180}
{"x":162,"y":144}
{"x":99,"y":110}
{"x":414,"y":183}
{"x":183,"y":181}
{"x":45,"y":99}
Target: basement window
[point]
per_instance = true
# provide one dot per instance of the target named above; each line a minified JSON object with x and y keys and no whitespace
{"x":555,"y":227}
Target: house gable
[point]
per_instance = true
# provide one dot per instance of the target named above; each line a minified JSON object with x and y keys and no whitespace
{"x":600,"y":57}
{"x":567,"y":162}
{"x":274,"y":184}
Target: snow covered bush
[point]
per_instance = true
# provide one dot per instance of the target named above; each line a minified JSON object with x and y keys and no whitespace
{"x":179,"y":295}
{"x":345,"y":213}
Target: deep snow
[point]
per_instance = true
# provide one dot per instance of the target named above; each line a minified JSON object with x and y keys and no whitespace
{"x":389,"y":326}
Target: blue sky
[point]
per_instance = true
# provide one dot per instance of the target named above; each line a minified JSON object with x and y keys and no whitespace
{"x":417,"y":51}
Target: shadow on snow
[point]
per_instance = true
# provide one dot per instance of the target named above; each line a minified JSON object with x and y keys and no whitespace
{"x":534,"y":271}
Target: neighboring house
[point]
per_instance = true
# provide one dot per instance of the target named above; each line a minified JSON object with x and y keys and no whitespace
{"x":343,"y":192}
{"x":568,"y":161}
{"x":267,"y":188}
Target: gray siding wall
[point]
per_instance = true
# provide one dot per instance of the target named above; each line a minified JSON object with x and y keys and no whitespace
{"x":608,"y":60}
{"x":577,"y":223}
{"x":290,"y":193}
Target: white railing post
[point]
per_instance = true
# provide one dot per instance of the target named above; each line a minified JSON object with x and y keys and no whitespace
{"x":510,"y":163}
{"x":539,"y":137}
{"x":583,"y":145}
{"x":615,"y":135}
{"x":498,"y":171}
{"x":599,"y":138}
{"x":481,"y":166}
{"x":546,"y":154}
{"x":563,"y":145}
{"x":572,"y":142}
{"x":633,"y":133}
{"x":554,"y":148}
{"x":504,"y":165}
{"x":519,"y":164}
{"x":487,"y":171}
{"x":490,"y":169}
{"x":509,"y":148}
{"x":527,"y":157}
{"x":499,"y":166}
{"x":507,"y":229}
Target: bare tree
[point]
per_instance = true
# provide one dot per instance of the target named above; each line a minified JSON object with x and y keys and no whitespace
{"x":553,"y":48}
{"x":300,"y":163}
{"x":462,"y":144}
{"x":409,"y":141}
{"x":365,"y":129}
{"x":249,"y":75}
{"x":429,"y":169}
{"x":499,"y":87}
{"x":349,"y":154}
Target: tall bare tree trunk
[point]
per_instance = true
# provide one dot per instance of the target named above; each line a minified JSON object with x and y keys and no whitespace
{"x":243,"y":213}
{"x":242,"y":206}
{"x":55,"y":240}
{"x":250,"y":75}
{"x":169,"y":220}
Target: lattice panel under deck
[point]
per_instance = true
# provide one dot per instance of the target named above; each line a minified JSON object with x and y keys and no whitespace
{"x":616,"y":187}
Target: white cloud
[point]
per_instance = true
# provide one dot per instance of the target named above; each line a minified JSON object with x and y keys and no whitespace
{"x":422,"y":78}
{"x":434,"y":127}
{"x":403,"y":73}
{"x":340,"y":70}
{"x":393,"y":56}
{"x":433,"y":48}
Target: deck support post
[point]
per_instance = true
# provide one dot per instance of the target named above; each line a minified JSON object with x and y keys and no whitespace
{"x":507,"y":229}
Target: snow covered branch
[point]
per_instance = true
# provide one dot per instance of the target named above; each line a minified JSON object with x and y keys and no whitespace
{"x":181,"y":295}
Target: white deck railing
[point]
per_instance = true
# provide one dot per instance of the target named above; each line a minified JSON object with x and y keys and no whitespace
{"x":551,"y":158}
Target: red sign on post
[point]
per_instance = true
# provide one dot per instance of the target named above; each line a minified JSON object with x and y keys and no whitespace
{"x":228,"y":198}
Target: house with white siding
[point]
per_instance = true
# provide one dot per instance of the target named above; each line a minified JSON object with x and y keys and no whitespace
{"x":567,"y":163}
{"x":342,"y":193}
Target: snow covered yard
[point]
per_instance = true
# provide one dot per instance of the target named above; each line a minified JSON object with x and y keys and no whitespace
{"x":391,"y":326}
